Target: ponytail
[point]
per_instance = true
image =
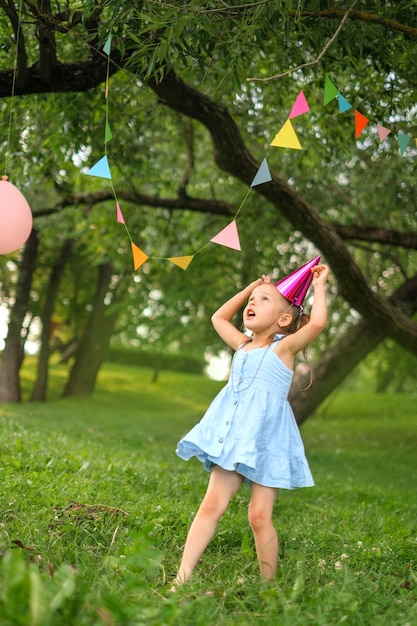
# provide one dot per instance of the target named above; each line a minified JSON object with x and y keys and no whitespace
{"x":298,"y":321}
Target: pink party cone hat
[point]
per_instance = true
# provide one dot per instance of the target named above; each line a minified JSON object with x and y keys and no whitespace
{"x":295,"y":286}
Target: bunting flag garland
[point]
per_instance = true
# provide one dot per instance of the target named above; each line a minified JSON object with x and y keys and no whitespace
{"x":330,"y":91}
{"x":119,"y":214}
{"x":403,"y":140}
{"x":344,"y":105}
{"x":382,"y":132}
{"x":181,"y":261}
{"x":300,"y":106}
{"x":107,"y":46}
{"x":100,"y":169}
{"x":263,"y":175}
{"x":360,"y":122}
{"x":228,"y":237}
{"x":139,"y":257}
{"x":107,"y":133}
{"x":285,"y":138}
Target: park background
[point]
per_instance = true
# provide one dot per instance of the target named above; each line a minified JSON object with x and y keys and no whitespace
{"x":232,"y":139}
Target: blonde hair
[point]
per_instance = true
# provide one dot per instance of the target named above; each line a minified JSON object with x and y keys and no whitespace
{"x":299,"y":320}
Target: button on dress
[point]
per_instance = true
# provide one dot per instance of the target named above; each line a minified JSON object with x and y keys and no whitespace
{"x":250,"y":427}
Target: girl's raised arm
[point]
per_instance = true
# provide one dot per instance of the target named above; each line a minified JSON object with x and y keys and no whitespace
{"x":222,"y":318}
{"x":318,"y":316}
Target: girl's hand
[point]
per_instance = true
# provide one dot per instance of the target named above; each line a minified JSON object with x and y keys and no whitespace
{"x":258,"y":281}
{"x":320,"y":274}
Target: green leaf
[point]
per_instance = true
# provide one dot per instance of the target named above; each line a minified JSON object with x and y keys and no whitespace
{"x":38,"y":601}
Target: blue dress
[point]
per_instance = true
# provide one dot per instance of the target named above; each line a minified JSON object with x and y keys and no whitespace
{"x":250,"y":427}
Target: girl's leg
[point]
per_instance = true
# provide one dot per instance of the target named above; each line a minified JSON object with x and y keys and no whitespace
{"x":221,"y":488}
{"x":260,"y":519}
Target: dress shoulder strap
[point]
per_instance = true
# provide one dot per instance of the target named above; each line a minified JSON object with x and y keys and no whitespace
{"x":278,"y":337}
{"x":242,"y":344}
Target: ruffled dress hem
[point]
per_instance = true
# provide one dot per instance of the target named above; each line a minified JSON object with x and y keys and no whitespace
{"x":298,"y":469}
{"x":249,"y":427}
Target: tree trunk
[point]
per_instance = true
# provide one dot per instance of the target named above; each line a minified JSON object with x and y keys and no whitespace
{"x":343,"y":357}
{"x":41,"y":383}
{"x":95,"y":340}
{"x":384,"y":382}
{"x":13,"y":352}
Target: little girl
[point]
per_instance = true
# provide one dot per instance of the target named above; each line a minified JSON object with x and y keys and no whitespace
{"x":249,"y":432}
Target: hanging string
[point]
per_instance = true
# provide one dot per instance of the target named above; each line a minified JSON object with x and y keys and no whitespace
{"x":9,"y":130}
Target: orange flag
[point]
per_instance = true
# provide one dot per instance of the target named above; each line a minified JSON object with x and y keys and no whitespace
{"x":360,"y":122}
{"x":139,"y":257}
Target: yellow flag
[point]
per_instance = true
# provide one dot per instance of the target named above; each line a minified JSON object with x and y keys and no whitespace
{"x":287,"y":137}
{"x":182,"y":261}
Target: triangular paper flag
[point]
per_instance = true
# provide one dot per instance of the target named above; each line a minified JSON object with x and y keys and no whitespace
{"x":263,"y":175}
{"x":403,"y":140}
{"x":330,"y":91}
{"x":300,"y":106}
{"x":286,"y":138}
{"x":119,"y":214}
{"x":139,"y":257}
{"x":360,"y":122}
{"x":107,"y":134}
{"x":382,"y":132}
{"x":228,"y":237}
{"x":344,"y":105}
{"x":107,"y":45}
{"x":100,"y":169}
{"x":181,"y":261}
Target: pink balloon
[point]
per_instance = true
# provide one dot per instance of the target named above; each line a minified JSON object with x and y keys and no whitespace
{"x":15,"y":218}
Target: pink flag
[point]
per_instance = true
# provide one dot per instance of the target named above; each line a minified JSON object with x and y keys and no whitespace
{"x":383,"y":132}
{"x":119,"y":214}
{"x":228,"y":237}
{"x":300,"y":106}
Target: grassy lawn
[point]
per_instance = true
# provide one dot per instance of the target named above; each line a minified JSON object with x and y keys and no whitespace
{"x":95,"y":507}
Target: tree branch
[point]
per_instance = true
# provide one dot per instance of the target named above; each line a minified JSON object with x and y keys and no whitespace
{"x":182,"y":202}
{"x":377,"y":235}
{"x":332,"y":39}
{"x":47,"y":47}
{"x":362,"y":16}
{"x":232,"y":156}
{"x":65,"y":77}
{"x":9,"y":9}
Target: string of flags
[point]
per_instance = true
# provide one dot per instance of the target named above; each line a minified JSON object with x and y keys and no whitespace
{"x":285,"y":138}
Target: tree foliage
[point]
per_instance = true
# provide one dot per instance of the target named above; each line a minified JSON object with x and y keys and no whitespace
{"x":197,"y":92}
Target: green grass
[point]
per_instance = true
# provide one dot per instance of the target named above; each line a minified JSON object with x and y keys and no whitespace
{"x":95,"y":507}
